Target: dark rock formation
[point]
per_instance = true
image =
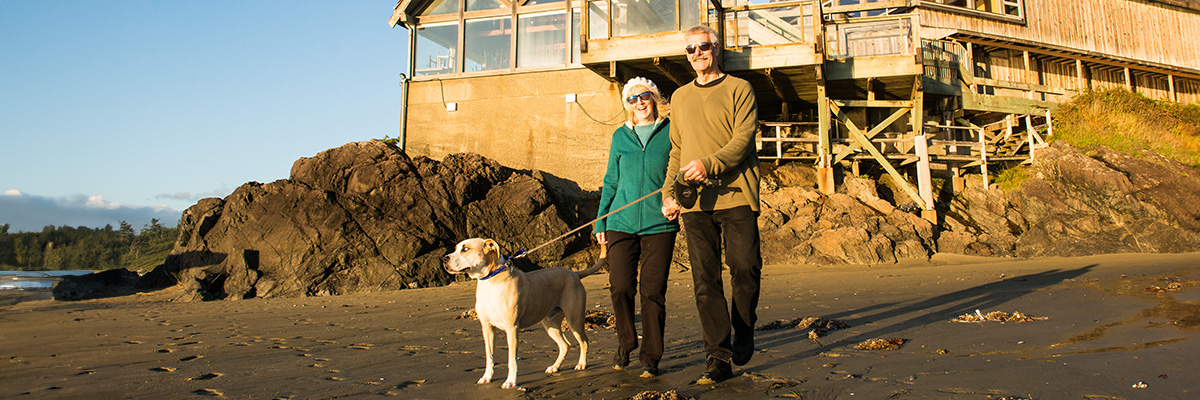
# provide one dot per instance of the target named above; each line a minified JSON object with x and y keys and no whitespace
{"x":356,"y":218}
{"x":113,"y":282}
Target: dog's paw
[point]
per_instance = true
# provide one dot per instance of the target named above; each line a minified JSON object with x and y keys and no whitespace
{"x":580,"y":367}
{"x":551,"y":370}
{"x":509,"y":385}
{"x":484,"y":380}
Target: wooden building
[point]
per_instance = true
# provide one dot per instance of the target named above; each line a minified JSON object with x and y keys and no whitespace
{"x":919,"y":87}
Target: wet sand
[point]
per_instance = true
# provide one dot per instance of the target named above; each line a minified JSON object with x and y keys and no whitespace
{"x":1105,"y":335}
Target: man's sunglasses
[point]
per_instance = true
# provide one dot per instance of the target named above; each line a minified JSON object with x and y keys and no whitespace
{"x":643,"y":95}
{"x":703,"y":46}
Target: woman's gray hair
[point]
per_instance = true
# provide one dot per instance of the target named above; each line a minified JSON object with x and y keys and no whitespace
{"x":662,"y":106}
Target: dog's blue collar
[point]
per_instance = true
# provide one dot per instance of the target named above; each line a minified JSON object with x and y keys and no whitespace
{"x":503,"y":266}
{"x":504,"y":263}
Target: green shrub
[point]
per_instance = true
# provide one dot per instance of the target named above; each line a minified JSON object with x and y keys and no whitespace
{"x":1132,"y":124}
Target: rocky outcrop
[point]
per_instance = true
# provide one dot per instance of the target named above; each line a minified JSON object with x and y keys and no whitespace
{"x":1074,"y":203}
{"x":852,"y":226}
{"x":356,"y":218}
{"x":366,"y":217}
{"x":113,"y":282}
{"x":1081,"y":202}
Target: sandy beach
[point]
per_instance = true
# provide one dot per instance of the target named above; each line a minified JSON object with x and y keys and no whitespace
{"x":1108,"y":335}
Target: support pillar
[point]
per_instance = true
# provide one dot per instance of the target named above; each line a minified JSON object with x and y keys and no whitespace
{"x":825,"y":181}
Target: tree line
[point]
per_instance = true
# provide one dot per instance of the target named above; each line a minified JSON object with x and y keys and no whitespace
{"x":65,"y":247}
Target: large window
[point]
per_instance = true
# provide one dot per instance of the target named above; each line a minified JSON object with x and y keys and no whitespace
{"x":435,"y":49}
{"x":637,"y":17}
{"x":497,"y":36}
{"x":487,"y":44}
{"x":541,"y":39}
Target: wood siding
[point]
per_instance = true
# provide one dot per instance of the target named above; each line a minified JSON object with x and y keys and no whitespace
{"x":1133,"y":30}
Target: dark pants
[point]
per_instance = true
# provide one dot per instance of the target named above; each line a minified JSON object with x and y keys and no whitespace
{"x":654,"y":253}
{"x":704,"y":230}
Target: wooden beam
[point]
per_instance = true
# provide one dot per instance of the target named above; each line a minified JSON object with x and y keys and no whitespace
{"x":669,"y":70}
{"x":883,"y":161}
{"x":873,"y":103}
{"x":869,"y":6}
{"x":870,"y":134}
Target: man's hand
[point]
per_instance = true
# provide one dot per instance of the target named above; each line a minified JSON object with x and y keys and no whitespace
{"x":670,"y":208}
{"x":600,"y":238}
{"x":694,"y":171}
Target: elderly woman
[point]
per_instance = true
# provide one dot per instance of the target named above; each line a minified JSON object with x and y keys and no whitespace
{"x":638,"y":234}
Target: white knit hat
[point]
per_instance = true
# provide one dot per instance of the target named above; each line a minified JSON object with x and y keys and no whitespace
{"x":639,"y":81}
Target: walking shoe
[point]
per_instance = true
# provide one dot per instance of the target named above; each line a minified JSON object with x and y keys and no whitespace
{"x":742,"y":353}
{"x":621,"y":359}
{"x":649,"y":370}
{"x":717,"y":371}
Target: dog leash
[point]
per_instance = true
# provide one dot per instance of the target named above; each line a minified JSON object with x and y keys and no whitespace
{"x":523,"y":253}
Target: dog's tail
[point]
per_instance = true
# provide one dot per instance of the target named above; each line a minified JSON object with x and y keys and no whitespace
{"x":600,"y":261}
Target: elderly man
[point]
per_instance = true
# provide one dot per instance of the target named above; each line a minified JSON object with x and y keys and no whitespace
{"x":714,"y":119}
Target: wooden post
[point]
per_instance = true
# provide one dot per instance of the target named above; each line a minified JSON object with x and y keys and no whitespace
{"x":1171,"y":88}
{"x":1049,"y":125}
{"x":921,"y":147}
{"x":1026,"y":79}
{"x":983,"y":156}
{"x":824,"y":147}
{"x":924,"y":180}
{"x":958,"y":183}
{"x":1080,"y":82}
{"x":1029,"y":135}
{"x":1128,"y":82}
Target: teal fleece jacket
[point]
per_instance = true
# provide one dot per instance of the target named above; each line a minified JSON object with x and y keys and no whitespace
{"x":633,"y":172}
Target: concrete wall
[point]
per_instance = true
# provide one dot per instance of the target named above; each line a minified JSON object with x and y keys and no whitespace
{"x":521,"y":120}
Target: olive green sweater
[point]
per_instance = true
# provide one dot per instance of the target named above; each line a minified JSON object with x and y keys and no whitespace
{"x":716,"y":124}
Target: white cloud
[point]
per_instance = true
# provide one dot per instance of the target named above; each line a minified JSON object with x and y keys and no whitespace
{"x":12,"y":192}
{"x":175,"y":196}
{"x":98,"y":201}
{"x":30,"y":213}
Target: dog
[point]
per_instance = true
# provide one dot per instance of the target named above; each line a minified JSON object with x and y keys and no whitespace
{"x":510,"y":300}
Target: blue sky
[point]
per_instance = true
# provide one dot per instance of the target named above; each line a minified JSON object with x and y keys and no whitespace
{"x":135,"y":109}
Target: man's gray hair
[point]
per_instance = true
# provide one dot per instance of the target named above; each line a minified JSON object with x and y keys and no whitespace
{"x":712,"y":34}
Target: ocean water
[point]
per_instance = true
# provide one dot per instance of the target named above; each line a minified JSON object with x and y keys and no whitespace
{"x":34,"y":280}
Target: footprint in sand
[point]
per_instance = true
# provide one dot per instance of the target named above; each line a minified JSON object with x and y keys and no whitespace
{"x":163,"y":369}
{"x":191,"y":358}
{"x":132,"y":342}
{"x":361,"y":346}
{"x":205,"y":377}
{"x":209,"y":392}
{"x":163,"y":351}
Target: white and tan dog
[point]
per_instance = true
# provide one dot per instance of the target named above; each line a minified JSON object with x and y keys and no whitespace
{"x":509,"y":299}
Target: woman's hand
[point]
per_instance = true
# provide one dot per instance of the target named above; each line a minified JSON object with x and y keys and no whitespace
{"x":600,"y":238}
{"x":670,"y":208}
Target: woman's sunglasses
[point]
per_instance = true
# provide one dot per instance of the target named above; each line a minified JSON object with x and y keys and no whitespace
{"x":703,"y":46}
{"x":633,"y":99}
